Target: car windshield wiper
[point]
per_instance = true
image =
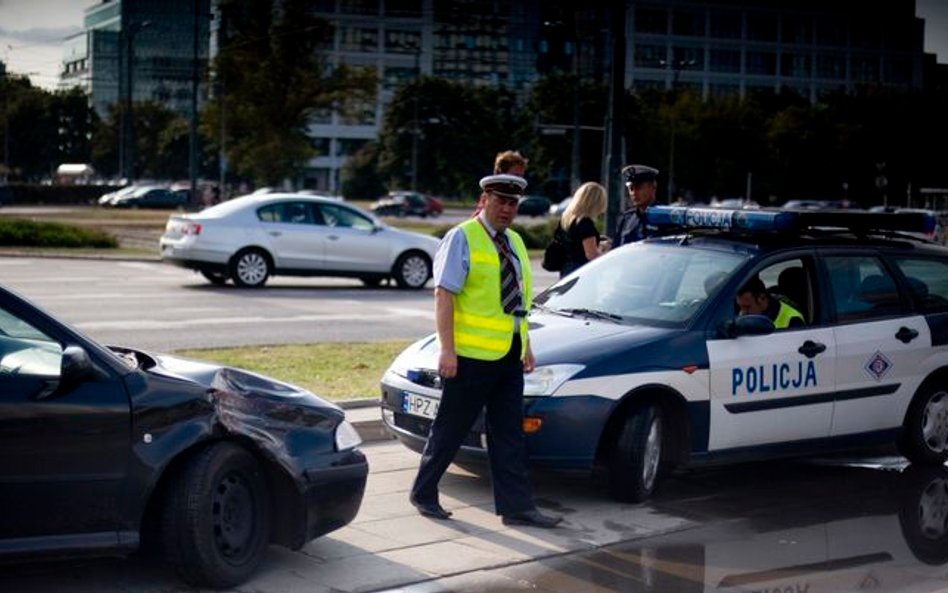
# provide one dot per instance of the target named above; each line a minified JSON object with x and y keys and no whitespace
{"x":593,"y":313}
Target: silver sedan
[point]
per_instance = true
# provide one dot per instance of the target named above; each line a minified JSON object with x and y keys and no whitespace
{"x":250,"y":238}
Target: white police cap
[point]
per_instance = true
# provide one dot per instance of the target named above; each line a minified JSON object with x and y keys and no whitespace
{"x":509,"y":186}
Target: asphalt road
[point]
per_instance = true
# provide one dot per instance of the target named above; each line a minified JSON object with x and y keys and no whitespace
{"x":160,"y":307}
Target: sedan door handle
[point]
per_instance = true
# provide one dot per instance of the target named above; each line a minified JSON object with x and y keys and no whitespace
{"x":906,"y":335}
{"x":811,"y":348}
{"x":274,"y":233}
{"x":333,"y":237}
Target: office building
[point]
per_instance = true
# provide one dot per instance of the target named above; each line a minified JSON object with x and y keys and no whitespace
{"x":714,"y":47}
{"x":156,"y":35}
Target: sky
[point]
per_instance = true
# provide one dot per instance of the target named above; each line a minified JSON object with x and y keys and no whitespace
{"x":31,"y":34}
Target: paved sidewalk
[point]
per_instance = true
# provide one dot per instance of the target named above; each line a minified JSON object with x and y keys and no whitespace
{"x":390,"y":545}
{"x":366,"y":416}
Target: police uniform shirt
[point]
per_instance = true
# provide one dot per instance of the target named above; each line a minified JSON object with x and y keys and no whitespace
{"x":453,"y":259}
{"x":630,"y":228}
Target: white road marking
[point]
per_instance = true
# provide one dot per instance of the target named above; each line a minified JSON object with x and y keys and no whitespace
{"x":406,"y":312}
{"x":147,"y":324}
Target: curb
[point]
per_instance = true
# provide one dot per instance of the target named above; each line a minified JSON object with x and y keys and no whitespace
{"x":366,"y":417}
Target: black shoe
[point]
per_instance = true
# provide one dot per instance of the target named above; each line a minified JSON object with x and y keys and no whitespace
{"x":431,"y":509}
{"x":532,"y":518}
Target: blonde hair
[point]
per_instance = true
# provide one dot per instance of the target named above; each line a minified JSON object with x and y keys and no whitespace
{"x":589,"y":201}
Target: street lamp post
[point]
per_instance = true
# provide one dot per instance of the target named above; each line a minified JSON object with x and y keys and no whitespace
{"x":415,"y":130}
{"x":676,"y":67}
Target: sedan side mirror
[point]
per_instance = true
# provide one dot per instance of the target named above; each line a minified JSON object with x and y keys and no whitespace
{"x":75,"y":368}
{"x":750,"y":325}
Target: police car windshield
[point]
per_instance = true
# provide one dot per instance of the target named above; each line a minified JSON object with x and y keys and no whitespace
{"x":650,"y":284}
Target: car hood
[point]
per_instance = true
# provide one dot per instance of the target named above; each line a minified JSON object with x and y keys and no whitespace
{"x":555,"y":339}
{"x":233,"y":385}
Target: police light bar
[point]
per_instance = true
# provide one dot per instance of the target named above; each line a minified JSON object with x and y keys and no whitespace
{"x":720,"y":218}
{"x":668,"y":217}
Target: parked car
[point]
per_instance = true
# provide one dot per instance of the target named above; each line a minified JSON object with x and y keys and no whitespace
{"x":151,"y":197}
{"x":533,"y":206}
{"x":559,"y":208}
{"x":106,"y":199}
{"x":102,"y":448}
{"x":250,"y":238}
{"x":407,"y":204}
{"x":642,"y":365}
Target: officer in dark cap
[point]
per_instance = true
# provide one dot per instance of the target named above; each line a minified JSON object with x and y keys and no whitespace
{"x":641,"y":182}
{"x":483,"y":291}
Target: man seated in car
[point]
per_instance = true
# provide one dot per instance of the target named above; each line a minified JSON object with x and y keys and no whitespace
{"x":754,"y":299}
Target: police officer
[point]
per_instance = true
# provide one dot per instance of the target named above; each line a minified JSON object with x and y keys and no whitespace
{"x":641,"y":182}
{"x":482,"y":296}
{"x":754,"y":299}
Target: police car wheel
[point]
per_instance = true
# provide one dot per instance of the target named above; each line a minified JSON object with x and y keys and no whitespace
{"x":637,"y":458}
{"x":925,"y":435}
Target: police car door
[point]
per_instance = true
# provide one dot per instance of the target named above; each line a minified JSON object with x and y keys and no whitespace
{"x":776,"y":388}
{"x":881,"y":345}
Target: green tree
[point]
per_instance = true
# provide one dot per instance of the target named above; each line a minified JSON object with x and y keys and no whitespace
{"x":76,"y":122}
{"x":273,"y":79}
{"x":552,"y":104}
{"x":460,"y":129}
{"x":30,"y":142}
{"x":161,"y":142}
{"x":360,"y":176}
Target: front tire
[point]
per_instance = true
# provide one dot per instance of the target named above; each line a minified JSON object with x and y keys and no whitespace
{"x":636,"y":461}
{"x":216,"y":522}
{"x":250,"y":268}
{"x":925,"y":433}
{"x":412,"y":270}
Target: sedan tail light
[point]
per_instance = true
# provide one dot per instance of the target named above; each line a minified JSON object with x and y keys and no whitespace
{"x":185,"y":228}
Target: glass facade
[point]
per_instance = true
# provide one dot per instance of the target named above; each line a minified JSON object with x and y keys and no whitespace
{"x":158,"y":37}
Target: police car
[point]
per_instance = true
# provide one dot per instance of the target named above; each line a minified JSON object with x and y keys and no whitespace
{"x":644,"y":365}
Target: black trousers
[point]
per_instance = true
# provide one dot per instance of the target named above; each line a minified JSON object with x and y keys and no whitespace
{"x":498,"y":385}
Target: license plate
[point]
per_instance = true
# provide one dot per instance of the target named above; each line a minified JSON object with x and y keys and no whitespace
{"x":418,"y":405}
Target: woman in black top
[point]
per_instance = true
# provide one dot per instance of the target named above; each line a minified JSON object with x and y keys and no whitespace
{"x":578,"y":221}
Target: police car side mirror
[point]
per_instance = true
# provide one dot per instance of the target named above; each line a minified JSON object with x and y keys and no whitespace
{"x":750,"y":325}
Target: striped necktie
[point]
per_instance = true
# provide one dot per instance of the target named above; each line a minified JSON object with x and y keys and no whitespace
{"x":510,"y":298}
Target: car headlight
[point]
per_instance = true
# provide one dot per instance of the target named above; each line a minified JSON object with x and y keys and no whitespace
{"x":546,"y":380}
{"x":347,"y":437}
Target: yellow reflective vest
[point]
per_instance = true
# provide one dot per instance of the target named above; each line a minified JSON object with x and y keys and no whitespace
{"x":481,"y":328}
{"x":785,"y":314}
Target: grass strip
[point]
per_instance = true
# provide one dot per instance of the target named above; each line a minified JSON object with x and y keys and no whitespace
{"x":29,"y":233}
{"x":337,"y":371}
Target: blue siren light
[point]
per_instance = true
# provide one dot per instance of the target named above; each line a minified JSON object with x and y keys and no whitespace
{"x":761,"y":221}
{"x":720,"y":218}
